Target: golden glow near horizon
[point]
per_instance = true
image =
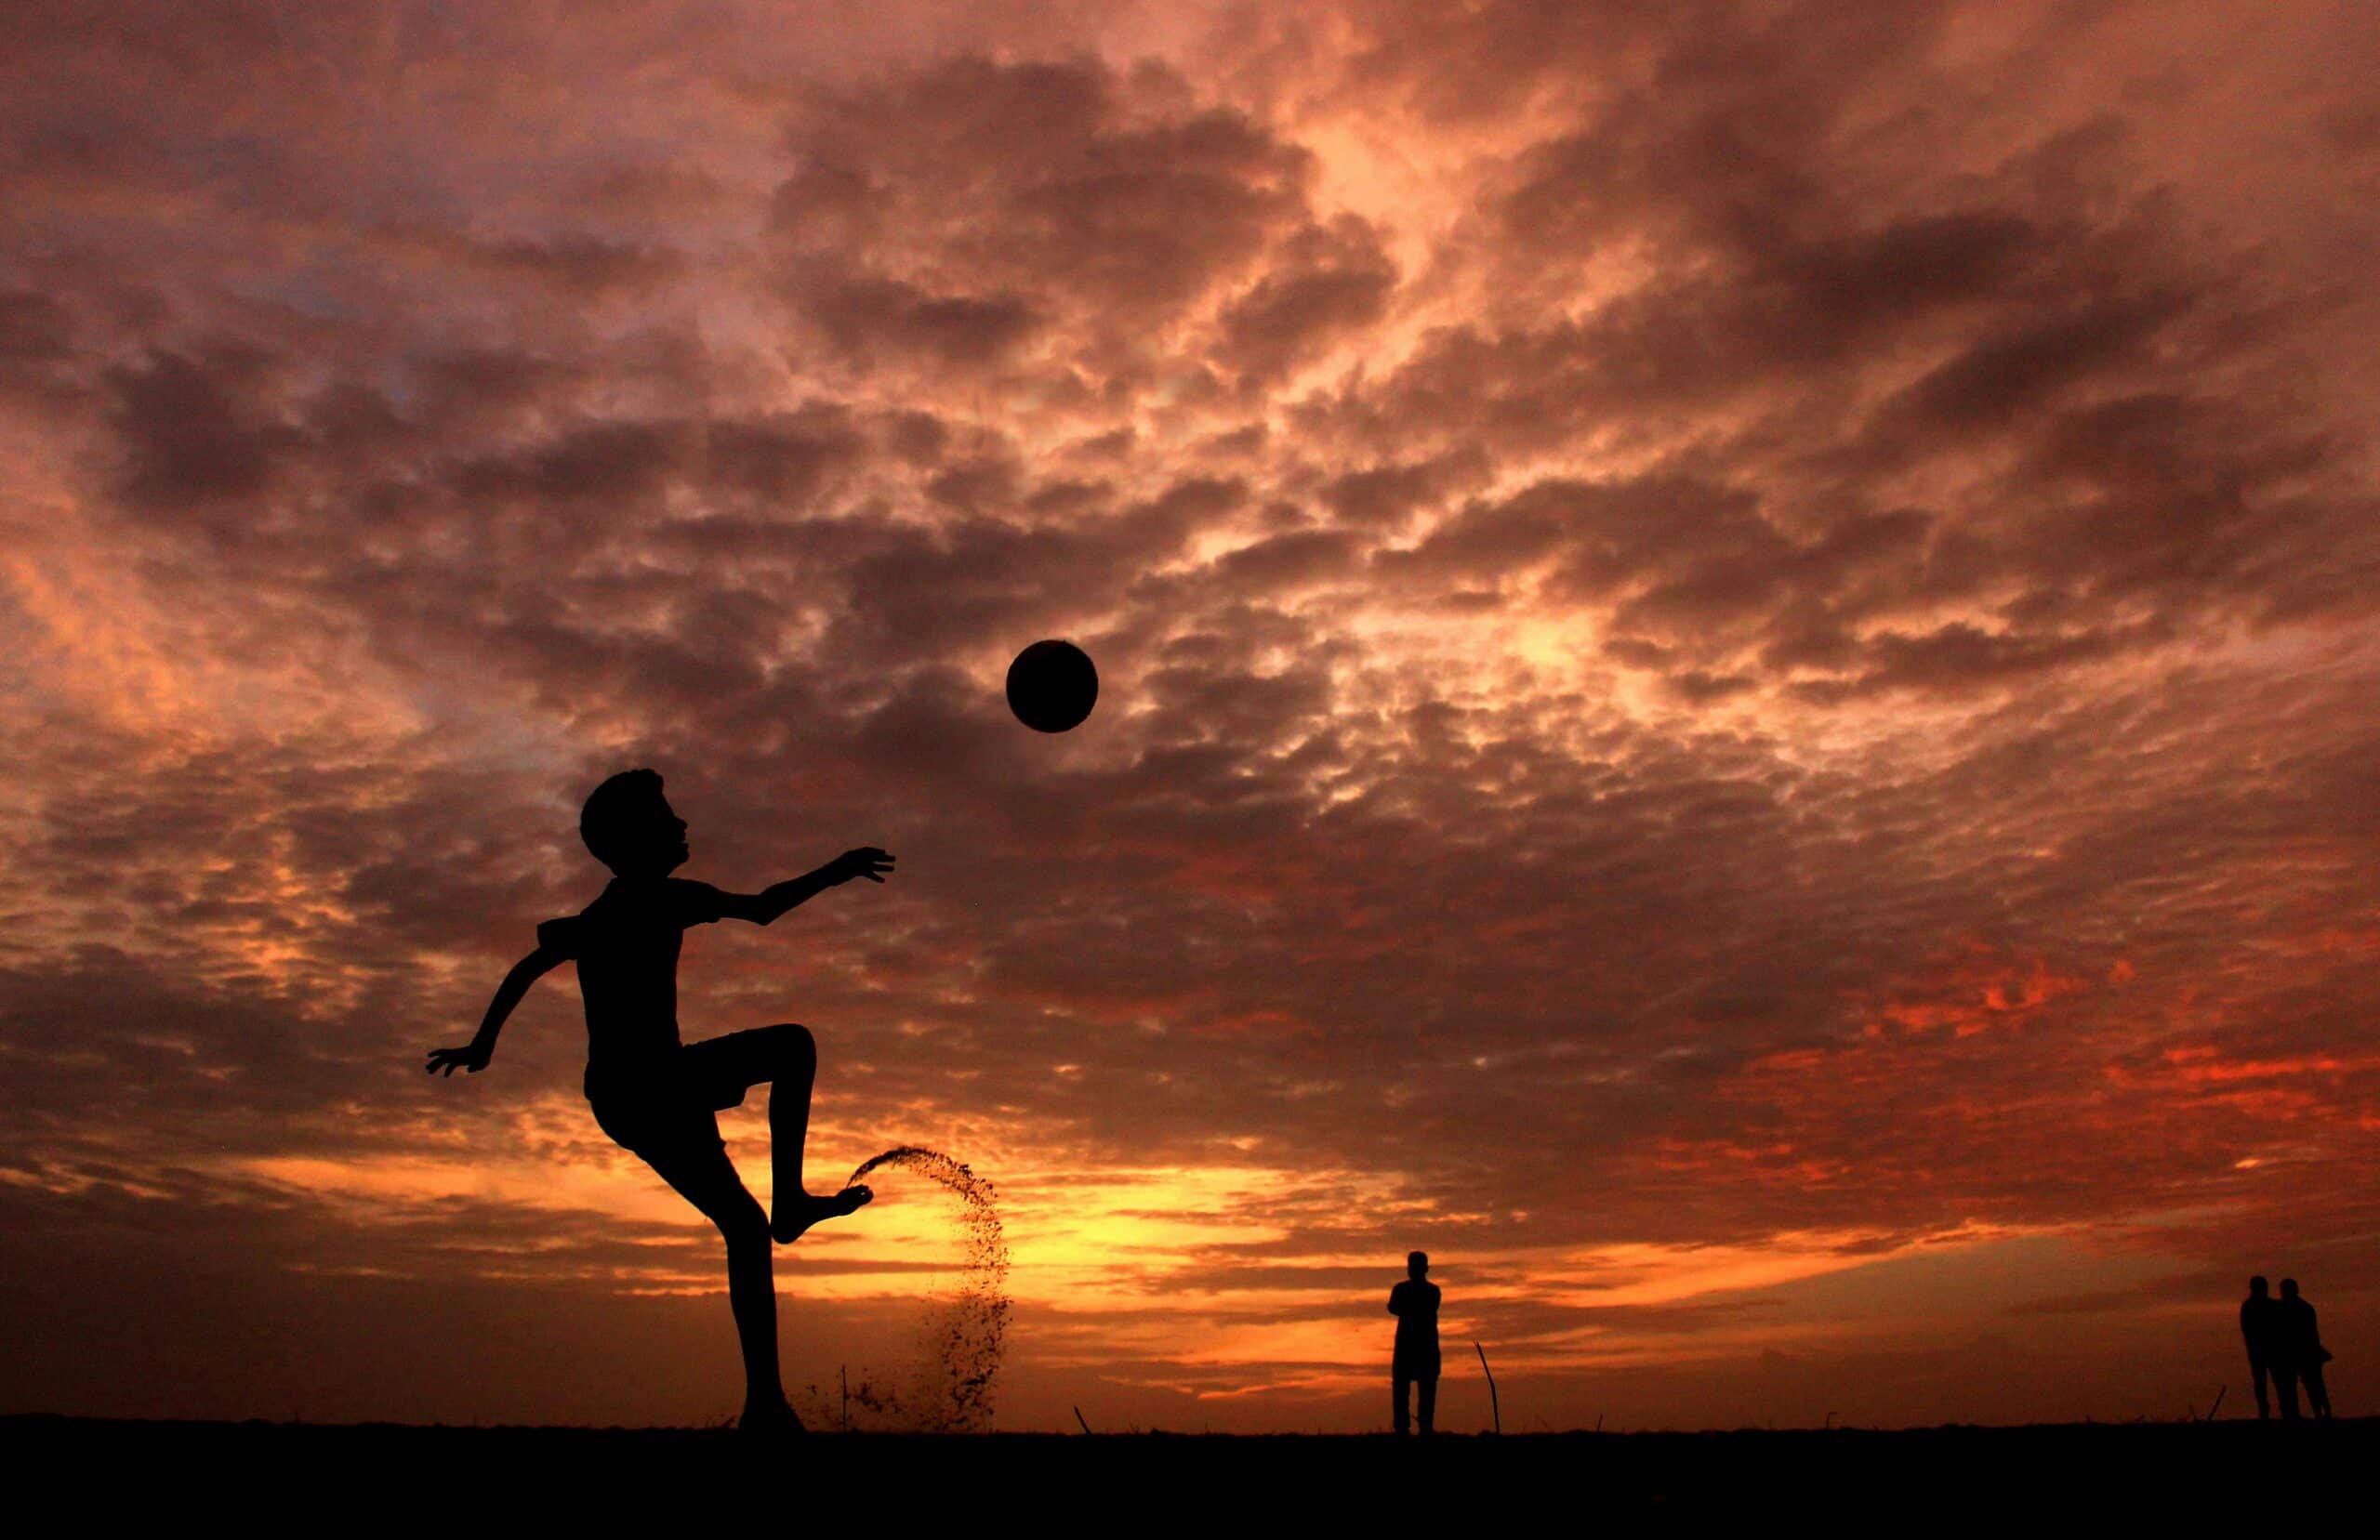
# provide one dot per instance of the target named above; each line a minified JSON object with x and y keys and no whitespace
{"x":1113,"y":1251}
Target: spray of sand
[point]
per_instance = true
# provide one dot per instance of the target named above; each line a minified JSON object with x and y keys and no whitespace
{"x":953,"y":1391}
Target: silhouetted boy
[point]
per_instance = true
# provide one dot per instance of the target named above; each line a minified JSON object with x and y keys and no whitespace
{"x":2256,"y":1325}
{"x":659,"y":1098}
{"x":2301,"y":1340}
{"x":1415,"y":1304}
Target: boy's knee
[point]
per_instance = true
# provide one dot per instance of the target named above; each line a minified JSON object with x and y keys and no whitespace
{"x":744,"y":1224}
{"x":794,"y":1043}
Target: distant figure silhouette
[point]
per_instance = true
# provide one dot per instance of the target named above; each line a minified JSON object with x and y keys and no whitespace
{"x":660,"y":1098}
{"x":1415,"y":1304}
{"x":2303,"y":1355}
{"x":2259,"y":1321}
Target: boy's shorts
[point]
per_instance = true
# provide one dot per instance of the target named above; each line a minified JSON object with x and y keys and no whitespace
{"x":670,"y":1107}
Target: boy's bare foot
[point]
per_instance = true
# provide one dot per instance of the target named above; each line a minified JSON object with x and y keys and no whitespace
{"x":776,"y":1420}
{"x":798,"y":1213}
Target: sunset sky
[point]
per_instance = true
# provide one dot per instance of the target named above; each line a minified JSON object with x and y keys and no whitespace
{"x":1738,"y":656}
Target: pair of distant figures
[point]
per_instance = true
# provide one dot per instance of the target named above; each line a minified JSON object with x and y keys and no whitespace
{"x":2284,"y":1347}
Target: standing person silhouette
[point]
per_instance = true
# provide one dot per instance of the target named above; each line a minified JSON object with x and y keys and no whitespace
{"x":2303,"y":1335}
{"x":1415,"y":1304}
{"x":658,"y":1097}
{"x":2258,"y":1320}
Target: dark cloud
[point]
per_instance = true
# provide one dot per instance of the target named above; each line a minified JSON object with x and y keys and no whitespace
{"x":1088,"y":209}
{"x":1320,"y":283}
{"x":191,"y":436}
{"x":1389,"y":495}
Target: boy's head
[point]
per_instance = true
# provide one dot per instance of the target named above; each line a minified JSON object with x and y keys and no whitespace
{"x":1416,"y":1264}
{"x":629,"y":825}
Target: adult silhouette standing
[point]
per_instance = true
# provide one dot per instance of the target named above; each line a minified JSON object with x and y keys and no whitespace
{"x":1415,"y":1304}
{"x":2301,"y":1336}
{"x":2258,"y":1320}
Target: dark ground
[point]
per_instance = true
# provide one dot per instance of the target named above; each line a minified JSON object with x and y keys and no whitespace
{"x":281,"y":1476}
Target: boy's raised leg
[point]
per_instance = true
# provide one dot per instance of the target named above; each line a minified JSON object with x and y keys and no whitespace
{"x":791,"y":1068}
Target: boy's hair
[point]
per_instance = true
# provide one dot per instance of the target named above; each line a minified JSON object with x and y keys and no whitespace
{"x":1416,"y":1259}
{"x":613,"y":810}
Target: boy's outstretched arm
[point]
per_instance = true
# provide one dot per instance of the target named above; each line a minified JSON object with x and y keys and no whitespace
{"x":473,"y":1056}
{"x":763,"y":907}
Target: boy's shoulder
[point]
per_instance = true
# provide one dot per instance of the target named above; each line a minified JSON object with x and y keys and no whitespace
{"x":561,"y":935}
{"x":684,"y":901}
{"x":675,"y":901}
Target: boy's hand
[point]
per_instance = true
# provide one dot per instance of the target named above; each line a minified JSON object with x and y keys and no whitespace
{"x":470,"y":1056}
{"x":866,"y":862}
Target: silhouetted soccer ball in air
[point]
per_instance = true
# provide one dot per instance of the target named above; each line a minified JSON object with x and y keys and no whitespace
{"x":1051,"y":686}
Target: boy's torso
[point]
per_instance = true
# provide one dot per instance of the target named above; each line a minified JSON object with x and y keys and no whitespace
{"x":626,"y":944}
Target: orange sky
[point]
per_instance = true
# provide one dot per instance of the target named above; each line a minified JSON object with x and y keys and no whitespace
{"x":1736,"y":665}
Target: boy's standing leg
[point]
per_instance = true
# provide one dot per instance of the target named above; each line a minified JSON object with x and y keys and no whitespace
{"x":707,"y":1180}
